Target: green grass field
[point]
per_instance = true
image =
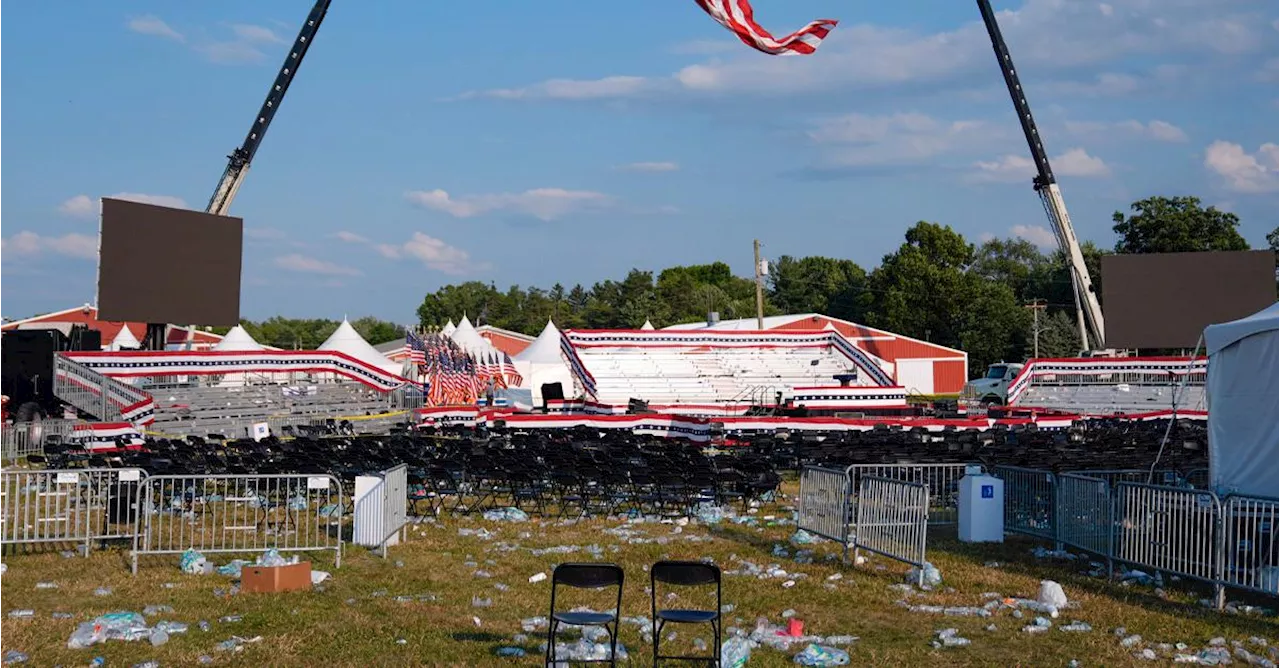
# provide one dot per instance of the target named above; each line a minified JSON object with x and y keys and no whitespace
{"x":357,"y":619}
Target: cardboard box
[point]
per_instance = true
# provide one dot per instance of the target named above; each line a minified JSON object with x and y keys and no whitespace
{"x":274,"y":579}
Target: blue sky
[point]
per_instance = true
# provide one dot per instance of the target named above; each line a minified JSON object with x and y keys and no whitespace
{"x":517,"y":142}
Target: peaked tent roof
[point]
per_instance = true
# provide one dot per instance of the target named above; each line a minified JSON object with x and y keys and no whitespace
{"x":238,"y":339}
{"x":1217,"y":337}
{"x":469,"y":339}
{"x":450,"y":328}
{"x":125,"y":339}
{"x":647,"y":326}
{"x":347,"y":340}
{"x":545,"y":349}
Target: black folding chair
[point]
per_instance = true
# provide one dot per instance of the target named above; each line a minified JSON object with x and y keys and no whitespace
{"x":684,"y":574}
{"x":586,"y":576}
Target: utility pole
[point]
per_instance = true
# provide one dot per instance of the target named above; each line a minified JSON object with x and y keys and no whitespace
{"x":1036,"y":306}
{"x":759,"y":289}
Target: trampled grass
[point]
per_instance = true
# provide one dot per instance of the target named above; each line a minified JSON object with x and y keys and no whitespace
{"x":358,"y":620}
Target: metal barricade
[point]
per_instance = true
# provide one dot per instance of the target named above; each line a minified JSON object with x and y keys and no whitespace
{"x":113,"y":502}
{"x":1029,"y":499}
{"x":43,"y":507}
{"x":1083,"y":513}
{"x":1251,"y":558}
{"x":1114,"y":477}
{"x":1169,"y":529}
{"x":239,"y":513}
{"x":381,"y":508}
{"x":892,"y":520}
{"x":943,"y":481}
{"x":824,"y":504}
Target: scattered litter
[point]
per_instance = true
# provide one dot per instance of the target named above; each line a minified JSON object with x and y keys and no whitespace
{"x":932,"y":576}
{"x":153,"y":610}
{"x":1131,"y":641}
{"x":802,"y":537}
{"x":319,"y":576}
{"x":817,"y":655}
{"x":508,"y":514}
{"x":102,"y":591}
{"x":1076,"y":626}
{"x":63,"y":615}
{"x":515,"y":652}
{"x":194,"y":563}
{"x":533,"y":624}
{"x":482,"y":574}
{"x":159,"y":637}
{"x":1051,"y":594}
{"x":171,"y":627}
{"x":950,"y":638}
{"x":14,"y":656}
{"x":46,"y":585}
{"x":476,"y":621}
{"x":230,"y":619}
{"x":537,"y":577}
{"x":128,"y":626}
{"x":1041,"y":553}
{"x":477,"y":602}
{"x":22,"y":614}
{"x":1039,"y":625}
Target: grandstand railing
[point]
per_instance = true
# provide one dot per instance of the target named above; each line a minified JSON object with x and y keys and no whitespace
{"x":1139,"y":371}
{"x":99,"y":395}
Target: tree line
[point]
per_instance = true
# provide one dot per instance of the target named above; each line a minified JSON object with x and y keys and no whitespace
{"x":936,"y":286}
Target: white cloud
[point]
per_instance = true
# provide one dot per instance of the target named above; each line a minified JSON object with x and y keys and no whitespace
{"x":241,"y":48}
{"x":861,"y":140}
{"x":311,"y":265}
{"x":571,"y":89}
{"x":1037,"y":234}
{"x":541,"y":203}
{"x":1157,"y":130}
{"x":80,"y":206}
{"x":650,"y":167}
{"x":28,"y":244}
{"x":1243,"y":172}
{"x":1075,"y":162}
{"x":83,"y":206}
{"x":254,"y":33}
{"x":436,"y":254}
{"x":350,"y":237}
{"x":1054,"y":37}
{"x":151,"y":25}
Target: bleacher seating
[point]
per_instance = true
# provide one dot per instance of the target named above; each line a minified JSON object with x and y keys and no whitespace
{"x":1111,"y":399}
{"x":204,"y":409}
{"x":702,"y":376}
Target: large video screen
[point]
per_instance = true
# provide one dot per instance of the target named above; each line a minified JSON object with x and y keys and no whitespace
{"x":1165,"y":300}
{"x":163,"y":265}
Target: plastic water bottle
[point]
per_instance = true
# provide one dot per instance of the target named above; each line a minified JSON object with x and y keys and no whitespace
{"x":159,"y":637}
{"x":735,"y":652}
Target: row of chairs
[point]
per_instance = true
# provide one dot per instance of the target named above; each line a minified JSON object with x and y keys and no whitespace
{"x":606,"y":575}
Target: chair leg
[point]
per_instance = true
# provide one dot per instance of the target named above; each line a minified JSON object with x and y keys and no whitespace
{"x":715,"y":627}
{"x":657,"y":633}
{"x":551,"y":643}
{"x":613,"y":643}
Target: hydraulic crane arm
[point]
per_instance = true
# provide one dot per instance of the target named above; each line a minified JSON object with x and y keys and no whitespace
{"x":1088,"y":311}
{"x":238,"y":161}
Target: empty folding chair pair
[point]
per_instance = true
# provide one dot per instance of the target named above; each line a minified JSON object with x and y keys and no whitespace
{"x":600,"y":576}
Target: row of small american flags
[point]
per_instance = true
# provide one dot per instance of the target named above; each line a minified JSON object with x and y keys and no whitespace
{"x":455,"y":376}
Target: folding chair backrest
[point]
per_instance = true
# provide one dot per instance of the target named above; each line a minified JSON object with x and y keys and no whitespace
{"x":587,"y":575}
{"x":686,"y":573}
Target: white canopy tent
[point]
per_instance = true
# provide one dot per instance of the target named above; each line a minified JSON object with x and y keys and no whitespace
{"x":125,"y":340}
{"x":238,"y":339}
{"x":1242,"y":391}
{"x":347,"y":340}
{"x":449,"y":329}
{"x":466,"y":336}
{"x":543,"y":363}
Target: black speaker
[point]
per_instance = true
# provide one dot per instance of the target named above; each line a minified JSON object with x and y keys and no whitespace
{"x":552,"y":392}
{"x":26,"y":363}
{"x":85,"y":339}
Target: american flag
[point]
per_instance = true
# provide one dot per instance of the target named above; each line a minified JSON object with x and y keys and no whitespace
{"x":509,"y":370}
{"x":416,"y":348}
{"x":737,"y":16}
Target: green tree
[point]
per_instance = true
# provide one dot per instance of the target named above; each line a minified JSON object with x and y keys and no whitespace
{"x":1017,"y":263}
{"x":377,"y":331}
{"x":995,"y":324}
{"x":453,"y":301}
{"x":1059,"y":335}
{"x":922,"y":290}
{"x":1273,"y":238}
{"x":815,"y":284}
{"x":1176,"y":225}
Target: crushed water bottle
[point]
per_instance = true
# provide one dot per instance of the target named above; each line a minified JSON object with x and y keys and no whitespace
{"x":159,"y":637}
{"x":14,"y":656}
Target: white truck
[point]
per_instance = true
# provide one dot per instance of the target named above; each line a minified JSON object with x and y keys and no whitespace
{"x":993,"y":388}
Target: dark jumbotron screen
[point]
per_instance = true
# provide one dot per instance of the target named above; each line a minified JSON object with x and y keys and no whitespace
{"x":1165,"y":300}
{"x":164,"y":265}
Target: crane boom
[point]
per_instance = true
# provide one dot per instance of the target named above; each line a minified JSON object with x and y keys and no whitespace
{"x":1088,"y":311}
{"x":238,"y":161}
